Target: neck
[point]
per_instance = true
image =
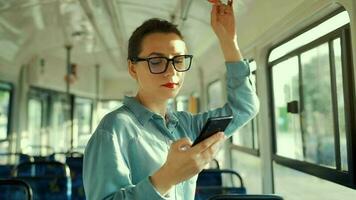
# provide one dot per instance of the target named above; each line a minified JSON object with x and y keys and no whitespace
{"x":158,"y":106}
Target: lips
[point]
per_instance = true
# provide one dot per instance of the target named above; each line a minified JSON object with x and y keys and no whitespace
{"x":170,"y":85}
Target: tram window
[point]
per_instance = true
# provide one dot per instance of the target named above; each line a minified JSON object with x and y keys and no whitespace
{"x":82,"y":120}
{"x":309,"y":99}
{"x":215,"y":95}
{"x":182,"y":103}
{"x":35,"y":112}
{"x":247,"y":136}
{"x":171,"y":105}
{"x":106,"y":106}
{"x":49,"y":122}
{"x":5,"y":102}
{"x":317,"y":107}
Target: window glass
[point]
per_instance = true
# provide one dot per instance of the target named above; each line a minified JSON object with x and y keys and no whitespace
{"x":82,"y":120}
{"x":107,"y":106}
{"x":340,"y":103}
{"x":249,"y":167}
{"x":215,"y":95}
{"x":4,"y":112}
{"x":182,"y":103}
{"x":49,"y":123}
{"x":60,"y":125}
{"x":287,"y":125}
{"x":171,"y":105}
{"x":243,"y":137}
{"x":35,"y":111}
{"x":317,"y":107}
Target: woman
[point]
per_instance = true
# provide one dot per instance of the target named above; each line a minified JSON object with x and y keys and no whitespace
{"x":141,"y":151}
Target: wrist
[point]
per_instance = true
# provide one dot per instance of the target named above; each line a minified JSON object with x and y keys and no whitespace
{"x":161,"y":181}
{"x":231,"y":50}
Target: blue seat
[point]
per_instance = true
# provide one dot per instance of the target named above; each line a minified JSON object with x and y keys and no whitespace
{"x":204,"y":193}
{"x":209,"y":183}
{"x":48,"y":179}
{"x":75,"y":163}
{"x":6,"y":169}
{"x":12,"y":189}
{"x":247,"y":197}
{"x":44,"y":158}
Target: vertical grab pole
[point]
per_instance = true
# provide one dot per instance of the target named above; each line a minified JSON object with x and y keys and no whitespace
{"x":97,"y":89}
{"x":71,"y":100}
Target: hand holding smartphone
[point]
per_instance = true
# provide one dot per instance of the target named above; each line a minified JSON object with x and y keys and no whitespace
{"x":212,"y":126}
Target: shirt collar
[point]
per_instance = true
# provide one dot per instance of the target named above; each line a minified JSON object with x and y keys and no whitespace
{"x":143,"y":115}
{"x":141,"y":112}
{"x":172,"y":118}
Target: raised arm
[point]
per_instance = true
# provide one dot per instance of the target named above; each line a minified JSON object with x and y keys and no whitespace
{"x":224,"y":26}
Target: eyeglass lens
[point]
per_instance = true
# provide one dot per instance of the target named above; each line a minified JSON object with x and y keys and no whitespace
{"x":159,"y":64}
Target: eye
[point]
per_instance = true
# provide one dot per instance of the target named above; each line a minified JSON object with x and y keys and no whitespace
{"x":156,"y":61}
{"x":179,"y":59}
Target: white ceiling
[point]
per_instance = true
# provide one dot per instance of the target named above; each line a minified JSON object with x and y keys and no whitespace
{"x":99,"y":30}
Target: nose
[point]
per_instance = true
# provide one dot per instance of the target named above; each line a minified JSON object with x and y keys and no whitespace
{"x":170,"y":69}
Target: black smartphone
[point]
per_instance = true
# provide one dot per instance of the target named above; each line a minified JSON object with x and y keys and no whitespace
{"x":213,"y":125}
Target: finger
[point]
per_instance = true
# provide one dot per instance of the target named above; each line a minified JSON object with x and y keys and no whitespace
{"x":210,"y":153}
{"x":230,"y":2}
{"x":214,"y":12}
{"x":228,"y":9}
{"x":214,"y":149}
{"x":202,"y":146}
{"x":221,"y":8}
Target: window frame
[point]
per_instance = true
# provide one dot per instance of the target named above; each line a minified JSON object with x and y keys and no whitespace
{"x":9,"y":87}
{"x":348,"y":178}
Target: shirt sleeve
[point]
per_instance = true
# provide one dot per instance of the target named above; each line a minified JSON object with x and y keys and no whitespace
{"x":106,"y":175}
{"x":242,"y":102}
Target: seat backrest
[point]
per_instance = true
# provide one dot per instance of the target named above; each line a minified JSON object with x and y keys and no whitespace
{"x":5,"y":171}
{"x":76,"y":167}
{"x":42,"y":168}
{"x":45,"y":158}
{"x":49,"y":188}
{"x":204,"y":193}
{"x":15,"y":189}
{"x":247,"y":197}
{"x":213,"y":177}
{"x":48,"y":179}
{"x":8,"y":162}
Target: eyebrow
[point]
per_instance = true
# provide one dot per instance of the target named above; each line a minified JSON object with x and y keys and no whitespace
{"x":161,"y":54}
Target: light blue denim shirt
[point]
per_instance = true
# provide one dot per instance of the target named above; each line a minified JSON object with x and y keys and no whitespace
{"x":131,"y":143}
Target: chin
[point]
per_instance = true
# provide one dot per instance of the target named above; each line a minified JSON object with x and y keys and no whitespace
{"x":170,"y":95}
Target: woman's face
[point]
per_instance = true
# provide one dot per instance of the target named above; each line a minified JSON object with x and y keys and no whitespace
{"x":167,"y":84}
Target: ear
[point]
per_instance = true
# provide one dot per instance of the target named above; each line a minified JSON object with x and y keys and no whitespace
{"x":132,"y":69}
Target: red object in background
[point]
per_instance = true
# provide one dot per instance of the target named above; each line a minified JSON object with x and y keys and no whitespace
{"x":213,"y":1}
{"x":73,"y":75}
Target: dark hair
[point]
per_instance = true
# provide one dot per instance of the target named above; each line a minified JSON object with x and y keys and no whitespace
{"x":150,"y":26}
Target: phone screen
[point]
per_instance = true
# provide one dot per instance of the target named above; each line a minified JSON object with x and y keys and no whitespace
{"x":212,"y":126}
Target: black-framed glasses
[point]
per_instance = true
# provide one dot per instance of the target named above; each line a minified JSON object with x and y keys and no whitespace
{"x":159,"y":65}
